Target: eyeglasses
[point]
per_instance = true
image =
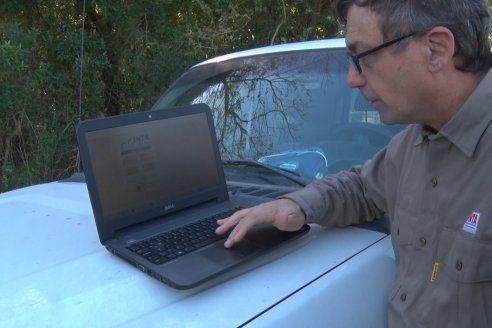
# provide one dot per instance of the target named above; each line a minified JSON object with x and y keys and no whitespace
{"x":355,"y":58}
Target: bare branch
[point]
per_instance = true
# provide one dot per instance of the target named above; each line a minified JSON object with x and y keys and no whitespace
{"x":284,"y":20}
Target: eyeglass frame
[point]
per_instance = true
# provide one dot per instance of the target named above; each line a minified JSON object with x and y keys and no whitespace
{"x":355,"y":58}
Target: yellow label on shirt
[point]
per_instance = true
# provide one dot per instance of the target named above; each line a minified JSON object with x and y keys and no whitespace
{"x":434,"y":272}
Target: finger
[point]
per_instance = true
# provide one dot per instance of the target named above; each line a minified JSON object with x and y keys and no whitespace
{"x":238,"y":233}
{"x":222,"y":228}
{"x":230,"y":222}
{"x":247,"y":221}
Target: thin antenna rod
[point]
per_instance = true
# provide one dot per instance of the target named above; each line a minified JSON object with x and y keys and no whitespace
{"x":81,"y":74}
{"x":81,"y":59}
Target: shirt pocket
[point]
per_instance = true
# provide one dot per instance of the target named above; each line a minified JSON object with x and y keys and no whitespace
{"x":467,"y":277}
{"x":403,"y":228}
{"x":468,"y":260}
{"x":403,"y":236}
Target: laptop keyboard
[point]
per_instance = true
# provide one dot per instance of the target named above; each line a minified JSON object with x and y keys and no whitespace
{"x":172,"y":244}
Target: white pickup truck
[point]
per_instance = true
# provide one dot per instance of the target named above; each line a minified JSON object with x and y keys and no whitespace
{"x":283,"y":117}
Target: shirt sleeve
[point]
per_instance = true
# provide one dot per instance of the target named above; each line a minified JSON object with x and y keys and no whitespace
{"x":346,"y":198}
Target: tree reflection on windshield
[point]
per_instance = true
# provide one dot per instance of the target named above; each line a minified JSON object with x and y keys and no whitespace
{"x":284,"y":108}
{"x":253,"y":107}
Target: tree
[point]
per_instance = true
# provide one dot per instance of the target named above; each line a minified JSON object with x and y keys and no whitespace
{"x":133,"y":50}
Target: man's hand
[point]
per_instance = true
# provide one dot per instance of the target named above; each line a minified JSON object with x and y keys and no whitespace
{"x":284,"y":214}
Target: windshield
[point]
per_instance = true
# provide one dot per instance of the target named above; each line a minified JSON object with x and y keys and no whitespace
{"x":292,"y":111}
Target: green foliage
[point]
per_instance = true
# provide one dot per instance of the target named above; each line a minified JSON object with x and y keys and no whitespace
{"x":39,"y":68}
{"x":133,"y":50}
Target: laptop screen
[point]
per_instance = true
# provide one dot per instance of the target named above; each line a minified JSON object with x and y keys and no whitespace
{"x":152,"y":164}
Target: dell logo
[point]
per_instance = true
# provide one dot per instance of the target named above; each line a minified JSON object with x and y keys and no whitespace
{"x":168,"y":207}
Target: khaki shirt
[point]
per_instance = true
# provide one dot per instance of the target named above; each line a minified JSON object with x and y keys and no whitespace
{"x":436,"y":189}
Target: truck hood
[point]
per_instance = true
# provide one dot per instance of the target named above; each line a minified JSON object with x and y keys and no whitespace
{"x":56,"y":273}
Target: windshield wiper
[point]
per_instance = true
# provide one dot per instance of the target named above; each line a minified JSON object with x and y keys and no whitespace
{"x":286,"y":174}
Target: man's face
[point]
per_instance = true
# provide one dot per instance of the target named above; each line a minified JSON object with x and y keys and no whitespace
{"x":390,"y":76}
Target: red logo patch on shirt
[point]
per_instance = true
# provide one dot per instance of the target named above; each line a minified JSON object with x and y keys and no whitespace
{"x":471,"y":224}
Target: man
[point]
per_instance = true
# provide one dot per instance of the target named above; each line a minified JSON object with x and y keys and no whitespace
{"x":425,"y":63}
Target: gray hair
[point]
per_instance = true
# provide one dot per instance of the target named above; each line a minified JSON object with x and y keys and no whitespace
{"x":468,"y":20}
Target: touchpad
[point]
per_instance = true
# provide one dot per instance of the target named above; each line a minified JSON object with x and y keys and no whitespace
{"x":217,"y":253}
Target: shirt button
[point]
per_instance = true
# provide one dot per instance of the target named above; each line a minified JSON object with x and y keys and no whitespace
{"x":403,"y":297}
{"x":434,"y":181}
{"x":422,"y":241}
{"x":459,"y":265}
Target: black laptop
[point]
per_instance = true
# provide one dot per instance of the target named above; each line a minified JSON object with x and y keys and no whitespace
{"x":157,"y":187}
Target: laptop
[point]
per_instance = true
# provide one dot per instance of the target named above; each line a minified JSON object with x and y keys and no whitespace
{"x":157,"y":187}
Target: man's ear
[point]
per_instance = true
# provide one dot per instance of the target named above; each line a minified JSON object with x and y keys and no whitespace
{"x":441,"y":46}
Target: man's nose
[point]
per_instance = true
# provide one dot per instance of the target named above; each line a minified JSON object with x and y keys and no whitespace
{"x":354,"y":79}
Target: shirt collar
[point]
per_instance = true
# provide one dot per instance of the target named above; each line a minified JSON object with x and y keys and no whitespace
{"x":467,"y":126}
